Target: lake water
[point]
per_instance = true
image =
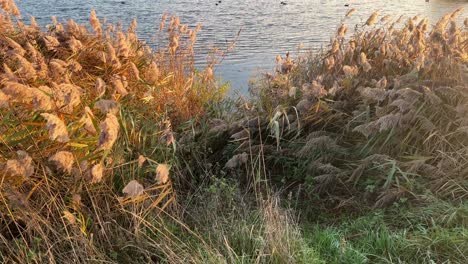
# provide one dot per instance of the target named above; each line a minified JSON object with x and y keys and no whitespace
{"x":268,"y":27}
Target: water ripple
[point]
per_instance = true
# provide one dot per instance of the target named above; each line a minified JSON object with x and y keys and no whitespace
{"x":268,"y":28}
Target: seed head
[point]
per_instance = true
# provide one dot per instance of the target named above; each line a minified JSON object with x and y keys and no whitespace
{"x":152,"y":73}
{"x":373,"y":18}
{"x":162,"y":173}
{"x":109,"y":132}
{"x":100,"y":87}
{"x":95,"y":24}
{"x":63,"y":160}
{"x":342,"y":30}
{"x":87,"y":121}
{"x":133,"y":189}
{"x":350,"y":12}
{"x":97,"y":172}
{"x":41,"y":99}
{"x":107,"y":106}
{"x":119,"y":85}
{"x":17,"y":92}
{"x":57,"y":128}
{"x":51,"y":43}
{"x":350,"y":71}
{"x":21,"y":166}
{"x":134,"y":71}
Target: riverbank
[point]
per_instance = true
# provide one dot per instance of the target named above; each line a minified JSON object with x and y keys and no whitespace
{"x":112,"y":152}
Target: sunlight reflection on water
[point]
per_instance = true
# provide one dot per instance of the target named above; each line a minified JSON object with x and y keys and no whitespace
{"x":268,"y":28}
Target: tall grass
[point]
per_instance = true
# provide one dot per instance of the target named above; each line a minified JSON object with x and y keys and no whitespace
{"x":378,"y":115}
{"x":87,"y":140}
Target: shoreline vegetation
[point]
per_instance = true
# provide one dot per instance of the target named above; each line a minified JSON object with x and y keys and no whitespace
{"x":111,"y":152}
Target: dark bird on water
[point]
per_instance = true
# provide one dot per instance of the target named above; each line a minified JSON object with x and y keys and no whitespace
{"x":283,"y":3}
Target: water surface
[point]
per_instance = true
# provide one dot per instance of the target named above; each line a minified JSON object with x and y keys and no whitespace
{"x":268,"y":28}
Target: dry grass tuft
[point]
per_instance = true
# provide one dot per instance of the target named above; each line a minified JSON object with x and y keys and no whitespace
{"x":74,"y":107}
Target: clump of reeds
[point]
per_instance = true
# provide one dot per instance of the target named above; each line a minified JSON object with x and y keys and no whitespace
{"x":71,"y":100}
{"x":378,"y":116}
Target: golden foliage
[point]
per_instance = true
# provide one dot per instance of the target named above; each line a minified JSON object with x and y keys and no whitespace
{"x":69,"y":95}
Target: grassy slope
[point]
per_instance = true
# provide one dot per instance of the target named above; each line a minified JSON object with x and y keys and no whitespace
{"x":434,"y":233}
{"x":314,"y":169}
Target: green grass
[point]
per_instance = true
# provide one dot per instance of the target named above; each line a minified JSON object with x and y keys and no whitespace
{"x":433,"y":233}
